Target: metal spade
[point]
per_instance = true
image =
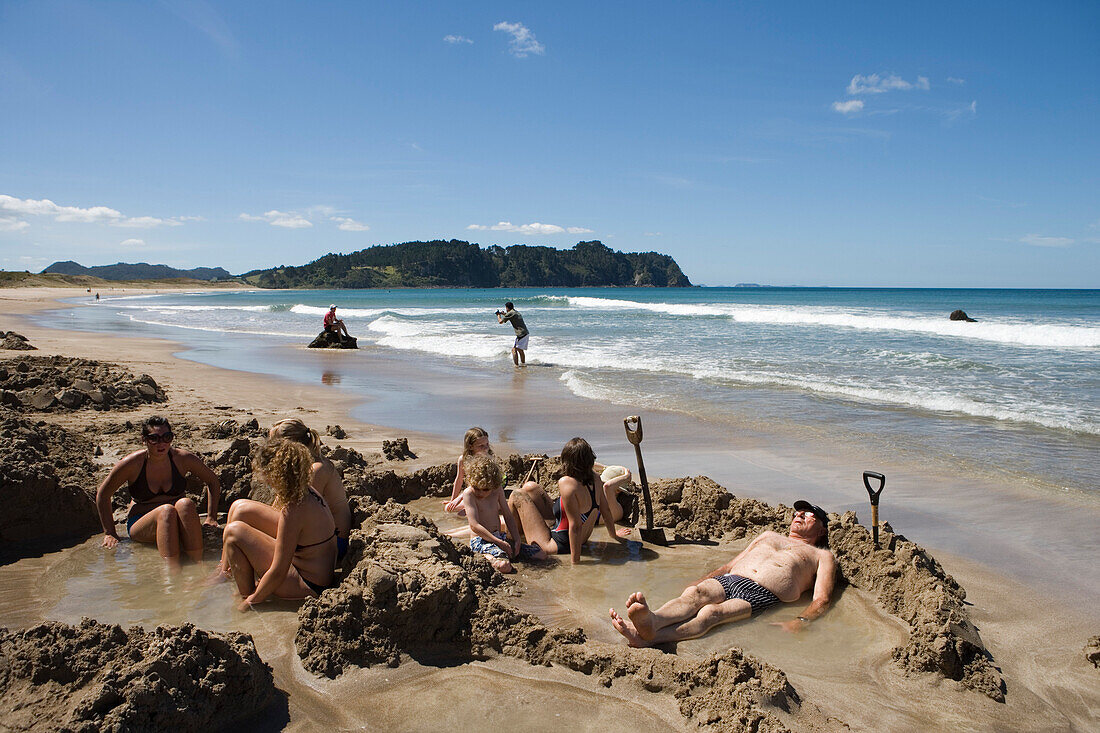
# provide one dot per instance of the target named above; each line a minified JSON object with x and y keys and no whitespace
{"x":656,"y":535}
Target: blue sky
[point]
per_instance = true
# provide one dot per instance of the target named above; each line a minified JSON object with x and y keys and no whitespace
{"x":903,"y":144}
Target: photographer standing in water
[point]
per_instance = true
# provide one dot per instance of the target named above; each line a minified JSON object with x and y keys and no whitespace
{"x":510,"y":315}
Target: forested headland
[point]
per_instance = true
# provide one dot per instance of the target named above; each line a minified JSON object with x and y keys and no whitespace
{"x":456,"y":263}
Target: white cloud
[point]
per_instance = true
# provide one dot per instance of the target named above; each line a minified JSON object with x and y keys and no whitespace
{"x":349,"y":225}
{"x":534,"y":228}
{"x":132,"y":243}
{"x":11,"y":224}
{"x":280,"y":219}
{"x":523,"y":40}
{"x":27,"y":262}
{"x":1036,"y":240}
{"x":653,"y":234}
{"x":848,"y":107}
{"x":455,"y":40}
{"x":968,"y":110}
{"x":76,"y":214}
{"x":956,"y":80}
{"x":875,"y":84}
{"x":206,"y":19}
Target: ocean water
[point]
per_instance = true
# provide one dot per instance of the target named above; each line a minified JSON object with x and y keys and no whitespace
{"x":1015,"y":395}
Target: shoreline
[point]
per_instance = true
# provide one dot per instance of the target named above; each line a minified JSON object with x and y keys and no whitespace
{"x":929,"y":505}
{"x":207,"y":388}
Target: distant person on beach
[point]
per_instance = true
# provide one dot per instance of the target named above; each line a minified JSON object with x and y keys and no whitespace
{"x":773,"y":569}
{"x":475,"y":442}
{"x":299,"y":561}
{"x":583,"y":500}
{"x":519,"y":348}
{"x":323,"y":478}
{"x":161,"y":512}
{"x":484,"y":502}
{"x":335,"y":325}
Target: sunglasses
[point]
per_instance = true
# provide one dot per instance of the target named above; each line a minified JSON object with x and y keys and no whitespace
{"x":154,"y":438}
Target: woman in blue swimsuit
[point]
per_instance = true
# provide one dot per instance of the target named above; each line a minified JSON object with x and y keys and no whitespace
{"x":161,"y":513}
{"x":300,"y":560}
{"x":582,"y":502}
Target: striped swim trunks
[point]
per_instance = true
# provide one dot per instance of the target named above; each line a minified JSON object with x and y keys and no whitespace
{"x":757,"y":595}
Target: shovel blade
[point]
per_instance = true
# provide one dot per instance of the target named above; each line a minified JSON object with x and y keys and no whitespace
{"x":655,"y":536}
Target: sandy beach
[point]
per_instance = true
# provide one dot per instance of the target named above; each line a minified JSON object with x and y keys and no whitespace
{"x":842,"y":674}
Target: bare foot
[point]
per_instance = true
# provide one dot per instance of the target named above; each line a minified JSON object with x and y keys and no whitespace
{"x":219,"y":575}
{"x":640,"y":615}
{"x":627,"y":629}
{"x":500,"y":563}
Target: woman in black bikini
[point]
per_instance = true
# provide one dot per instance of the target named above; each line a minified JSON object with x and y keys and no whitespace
{"x":300,"y":560}
{"x":582,"y":502}
{"x":160,"y":513}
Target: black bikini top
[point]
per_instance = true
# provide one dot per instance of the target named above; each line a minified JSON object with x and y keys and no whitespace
{"x":141,"y":492}
{"x":321,"y":499}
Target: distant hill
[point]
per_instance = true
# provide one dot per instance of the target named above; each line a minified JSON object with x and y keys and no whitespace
{"x":137,"y":271}
{"x":456,"y":263}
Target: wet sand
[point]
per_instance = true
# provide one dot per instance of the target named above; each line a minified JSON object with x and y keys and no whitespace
{"x":842,"y":665}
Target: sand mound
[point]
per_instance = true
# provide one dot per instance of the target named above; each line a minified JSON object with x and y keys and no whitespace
{"x":95,"y":677}
{"x":15,"y":342}
{"x":55,"y":383}
{"x":45,"y":477}
{"x":411,"y":592}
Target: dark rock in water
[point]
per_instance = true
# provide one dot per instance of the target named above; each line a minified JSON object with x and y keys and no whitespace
{"x":336,"y":431}
{"x":960,"y":315}
{"x":98,"y":677}
{"x":15,"y":342}
{"x":397,"y":449}
{"x":329,"y":340}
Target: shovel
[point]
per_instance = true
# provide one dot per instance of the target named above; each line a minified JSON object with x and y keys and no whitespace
{"x":534,"y":464}
{"x":652,"y":534}
{"x":867,"y":476}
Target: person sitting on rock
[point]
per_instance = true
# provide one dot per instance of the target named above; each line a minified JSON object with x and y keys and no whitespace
{"x":161,"y":513}
{"x":299,"y":561}
{"x":334,"y":325}
{"x":485,"y":505}
{"x":773,"y":569}
{"x":323,"y":478}
{"x":583,"y":500}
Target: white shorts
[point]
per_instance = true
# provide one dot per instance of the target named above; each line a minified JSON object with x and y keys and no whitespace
{"x":521,"y":344}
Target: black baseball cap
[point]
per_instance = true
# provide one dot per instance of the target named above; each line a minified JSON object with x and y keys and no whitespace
{"x":822,"y":516}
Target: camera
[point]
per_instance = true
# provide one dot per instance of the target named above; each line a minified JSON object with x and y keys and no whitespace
{"x":500,"y":313}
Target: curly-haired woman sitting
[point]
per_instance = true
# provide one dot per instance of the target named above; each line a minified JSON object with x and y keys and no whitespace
{"x":299,"y":561}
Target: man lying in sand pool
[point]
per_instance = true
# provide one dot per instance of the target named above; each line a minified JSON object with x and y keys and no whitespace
{"x":772,"y":569}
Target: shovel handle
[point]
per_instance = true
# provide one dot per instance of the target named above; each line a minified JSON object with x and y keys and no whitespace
{"x":633,"y":434}
{"x":867,"y":476}
{"x":534,"y":464}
